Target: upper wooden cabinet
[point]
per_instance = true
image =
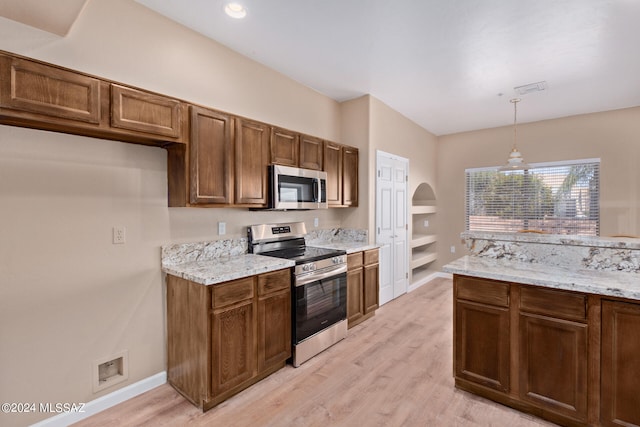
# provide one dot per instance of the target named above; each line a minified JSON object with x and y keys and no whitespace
{"x":333,"y":168}
{"x":252,"y":159}
{"x":213,"y":158}
{"x":43,"y":96}
{"x":341,"y":165}
{"x":210,"y":157}
{"x":349,"y":176}
{"x":289,"y":148}
{"x":139,"y":111}
{"x":226,"y":162}
{"x":311,"y":152}
{"x":37,"y":91}
{"x":284,"y":145}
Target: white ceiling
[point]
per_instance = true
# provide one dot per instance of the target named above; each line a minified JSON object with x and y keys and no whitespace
{"x":449,"y":65}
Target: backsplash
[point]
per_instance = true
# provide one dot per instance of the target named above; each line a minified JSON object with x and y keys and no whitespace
{"x":201,"y":251}
{"x":605,"y":254}
{"x":336,"y":235}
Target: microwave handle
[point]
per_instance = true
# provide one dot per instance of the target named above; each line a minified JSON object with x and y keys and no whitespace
{"x":316,"y":190}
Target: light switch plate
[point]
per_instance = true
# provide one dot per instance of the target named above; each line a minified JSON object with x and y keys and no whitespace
{"x":222,"y":228}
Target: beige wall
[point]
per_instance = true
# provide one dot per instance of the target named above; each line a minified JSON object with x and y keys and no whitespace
{"x":67,"y":295}
{"x":393,"y":133}
{"x":611,"y":136}
{"x":355,"y":132}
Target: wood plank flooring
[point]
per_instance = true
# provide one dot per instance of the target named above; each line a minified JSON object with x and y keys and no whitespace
{"x":392,"y":370}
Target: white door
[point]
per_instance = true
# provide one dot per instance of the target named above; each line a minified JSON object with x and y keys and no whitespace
{"x":391,"y":224}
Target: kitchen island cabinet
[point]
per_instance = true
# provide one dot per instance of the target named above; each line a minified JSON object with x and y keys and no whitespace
{"x":224,"y":337}
{"x":620,"y":404}
{"x":570,"y":357}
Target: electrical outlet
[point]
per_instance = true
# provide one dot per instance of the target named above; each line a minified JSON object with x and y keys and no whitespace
{"x":425,"y":223}
{"x":315,"y":222}
{"x":453,"y":249}
{"x":222,"y":228}
{"x":119,"y":237}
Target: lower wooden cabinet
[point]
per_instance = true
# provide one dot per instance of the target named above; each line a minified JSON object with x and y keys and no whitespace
{"x":362,"y":286}
{"x":569,"y":357}
{"x":223,"y":338}
{"x":482,"y":335}
{"x":620,"y":377}
{"x":553,"y":350}
{"x":553,"y":364}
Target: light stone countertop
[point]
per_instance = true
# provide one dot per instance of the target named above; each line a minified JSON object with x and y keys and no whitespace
{"x":611,"y":283}
{"x":223,"y":269}
{"x":350,"y":247}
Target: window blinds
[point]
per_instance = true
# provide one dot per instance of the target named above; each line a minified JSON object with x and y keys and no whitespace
{"x":556,"y":198}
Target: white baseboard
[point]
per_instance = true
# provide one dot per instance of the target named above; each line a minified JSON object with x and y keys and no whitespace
{"x":105,"y":402}
{"x":429,"y":278}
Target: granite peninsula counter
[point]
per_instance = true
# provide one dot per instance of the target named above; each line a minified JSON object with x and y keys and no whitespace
{"x":603,"y":266}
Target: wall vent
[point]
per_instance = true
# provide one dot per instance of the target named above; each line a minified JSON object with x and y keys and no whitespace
{"x":531,"y":87}
{"x":110,"y":370}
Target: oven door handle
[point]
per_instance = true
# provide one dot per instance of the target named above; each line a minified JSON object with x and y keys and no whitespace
{"x":315,"y":276}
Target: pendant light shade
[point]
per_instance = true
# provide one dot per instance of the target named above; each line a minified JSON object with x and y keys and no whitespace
{"x":515,"y":160}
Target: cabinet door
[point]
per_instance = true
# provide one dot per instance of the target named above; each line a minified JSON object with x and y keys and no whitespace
{"x":371,"y":274}
{"x":350,"y":176}
{"x":140,"y":111}
{"x":482,"y":344}
{"x":252,"y":158}
{"x":311,"y":152}
{"x":284,"y":147}
{"x":333,"y":167}
{"x":355,"y":302}
{"x":233,"y":354}
{"x":46,"y":91}
{"x":211,"y":157}
{"x":274,"y":319}
{"x":553,"y":364}
{"x":620,"y":375}
{"x":274,"y":330}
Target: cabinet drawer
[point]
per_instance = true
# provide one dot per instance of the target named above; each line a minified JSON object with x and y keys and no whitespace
{"x":482,"y":290}
{"x":232,"y":292}
{"x":274,"y":282}
{"x":354,"y":260}
{"x":554,"y":303}
{"x":371,"y":257}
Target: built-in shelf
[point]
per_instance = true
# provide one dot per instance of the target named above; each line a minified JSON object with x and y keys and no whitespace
{"x":425,"y":209}
{"x":422,"y":239}
{"x":419,"y":258}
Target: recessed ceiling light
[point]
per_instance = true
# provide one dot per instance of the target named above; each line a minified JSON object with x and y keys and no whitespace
{"x":235,"y":10}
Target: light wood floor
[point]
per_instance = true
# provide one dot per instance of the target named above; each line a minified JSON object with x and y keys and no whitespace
{"x":392,"y":370}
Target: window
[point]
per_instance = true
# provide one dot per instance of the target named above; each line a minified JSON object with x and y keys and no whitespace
{"x":556,"y":198}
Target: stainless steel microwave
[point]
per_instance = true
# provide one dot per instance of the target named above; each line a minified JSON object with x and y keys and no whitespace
{"x":296,"y":188}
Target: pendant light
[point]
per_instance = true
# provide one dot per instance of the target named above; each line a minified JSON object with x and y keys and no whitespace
{"x":515,"y":161}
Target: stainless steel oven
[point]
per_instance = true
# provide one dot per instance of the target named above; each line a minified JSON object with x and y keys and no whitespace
{"x":319,"y":286}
